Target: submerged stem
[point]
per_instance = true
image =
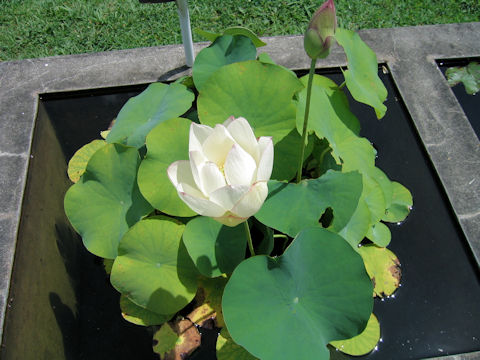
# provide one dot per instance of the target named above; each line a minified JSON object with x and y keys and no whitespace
{"x":249,"y":239}
{"x":305,"y":119}
{"x":322,"y":155}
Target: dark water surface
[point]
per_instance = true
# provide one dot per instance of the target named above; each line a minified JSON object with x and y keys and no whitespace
{"x":436,"y":310}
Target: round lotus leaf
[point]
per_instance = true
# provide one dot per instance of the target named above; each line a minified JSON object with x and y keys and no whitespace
{"x":316,"y":292}
{"x":263,"y":236}
{"x":291,"y":207}
{"x":213,"y":291}
{"x":337,"y":355}
{"x":383,"y":268}
{"x":166,"y":143}
{"x":362,"y":75}
{"x":363,"y":343}
{"x":385,"y":184}
{"x":138,"y":315}
{"x":78,"y":162}
{"x":225,"y":50}
{"x":329,"y":109}
{"x":107,"y":265}
{"x":469,"y":75}
{"x":227,"y":349}
{"x":153,"y":268}
{"x":157,"y":103}
{"x":104,"y":133}
{"x":234,"y":30}
{"x":106,"y":201}
{"x":374,"y":198}
{"x":261,"y":93}
{"x":379,"y":234}
{"x":287,"y":152}
{"x":356,"y":229}
{"x":165,"y":340}
{"x":239,"y":30}
{"x":215,"y":249}
{"x":400,"y":205}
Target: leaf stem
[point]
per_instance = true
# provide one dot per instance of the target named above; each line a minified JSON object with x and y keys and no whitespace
{"x":341,"y":86}
{"x":305,"y":119}
{"x":249,"y":239}
{"x":322,"y":155}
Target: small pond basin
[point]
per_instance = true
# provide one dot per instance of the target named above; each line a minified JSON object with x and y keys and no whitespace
{"x":435,"y":312}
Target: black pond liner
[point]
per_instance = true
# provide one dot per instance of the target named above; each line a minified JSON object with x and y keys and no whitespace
{"x":435,"y":312}
{"x":470,"y":103}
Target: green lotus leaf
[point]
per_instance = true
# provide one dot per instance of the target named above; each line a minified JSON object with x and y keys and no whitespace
{"x":383,"y":268}
{"x":227,"y":349}
{"x":201,"y":313}
{"x":385,"y":184}
{"x":265,"y":58}
{"x":106,"y":201}
{"x":166,"y":143}
{"x":138,"y":315}
{"x":287,"y":152}
{"x":153,"y":268}
{"x":225,"y":50}
{"x":215,"y":249}
{"x":316,"y":292}
{"x":401,"y":204}
{"x":328,"y":121}
{"x":263,"y":235}
{"x":374,"y":198}
{"x":165,"y":340}
{"x":213,"y":291}
{"x":209,"y":35}
{"x":107,"y":266}
{"x":337,"y":355}
{"x":78,"y":162}
{"x":105,"y":133}
{"x":363,"y":343}
{"x":157,"y":103}
{"x":362,"y":75}
{"x":261,"y":93}
{"x":358,"y":226}
{"x":379,"y":234}
{"x":240,"y":30}
{"x":321,"y":160}
{"x":365,"y":222}
{"x":187,"y":81}
{"x":235,"y":30}
{"x":291,"y":207}
{"x":329,"y":110}
{"x":331,"y":119}
{"x":469,"y":75}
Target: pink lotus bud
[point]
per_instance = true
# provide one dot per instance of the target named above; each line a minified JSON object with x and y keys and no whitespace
{"x":320,"y":31}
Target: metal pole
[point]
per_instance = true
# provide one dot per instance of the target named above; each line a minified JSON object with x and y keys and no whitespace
{"x":183,"y":15}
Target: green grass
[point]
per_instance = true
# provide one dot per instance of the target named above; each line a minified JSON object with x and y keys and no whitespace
{"x":37,"y":28}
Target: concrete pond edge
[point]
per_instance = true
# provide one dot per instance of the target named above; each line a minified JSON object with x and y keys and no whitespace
{"x":410,"y":54}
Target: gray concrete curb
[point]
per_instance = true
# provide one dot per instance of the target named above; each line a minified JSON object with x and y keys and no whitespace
{"x":410,"y":54}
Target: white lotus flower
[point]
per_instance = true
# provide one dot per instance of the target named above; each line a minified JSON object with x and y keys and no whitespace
{"x":226,"y":177}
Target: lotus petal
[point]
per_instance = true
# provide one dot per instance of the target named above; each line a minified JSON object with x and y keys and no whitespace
{"x":240,"y":167}
{"x":243,"y":134}
{"x":252,"y":201}
{"x":265,"y":165}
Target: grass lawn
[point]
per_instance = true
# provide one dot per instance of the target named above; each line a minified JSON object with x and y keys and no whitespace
{"x":37,"y":28}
